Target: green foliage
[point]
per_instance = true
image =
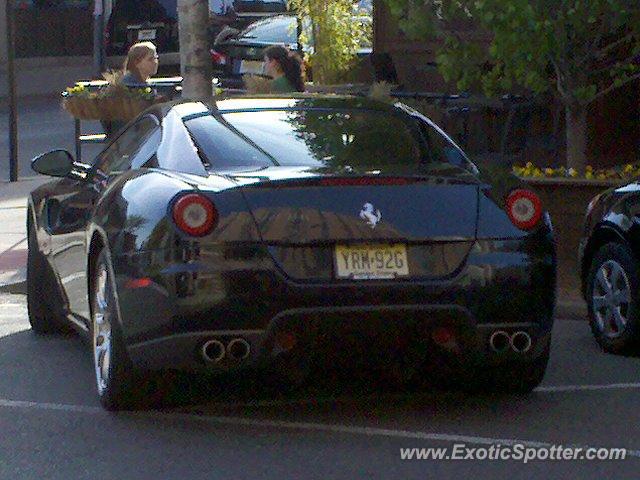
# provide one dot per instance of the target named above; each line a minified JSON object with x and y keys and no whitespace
{"x":338,"y":30}
{"x":358,"y":140}
{"x":581,"y":49}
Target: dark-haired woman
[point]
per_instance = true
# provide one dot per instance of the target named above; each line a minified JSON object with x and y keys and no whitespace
{"x":285,"y":68}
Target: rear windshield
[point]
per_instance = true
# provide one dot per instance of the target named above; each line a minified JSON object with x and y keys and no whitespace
{"x":280,"y":29}
{"x":316,"y":138}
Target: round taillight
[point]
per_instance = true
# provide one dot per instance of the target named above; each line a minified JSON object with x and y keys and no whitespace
{"x":195,"y":214}
{"x":524,"y":209}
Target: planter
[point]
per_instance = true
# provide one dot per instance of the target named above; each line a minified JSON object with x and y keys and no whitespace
{"x":105,"y":108}
{"x":567,"y":201}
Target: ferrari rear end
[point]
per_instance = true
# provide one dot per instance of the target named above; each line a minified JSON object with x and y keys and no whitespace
{"x":357,"y":258}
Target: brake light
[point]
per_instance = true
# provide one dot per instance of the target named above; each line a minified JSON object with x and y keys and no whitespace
{"x":135,"y":283}
{"x":218,"y":58}
{"x":361,"y":181}
{"x":195,"y":214}
{"x":524,"y":208}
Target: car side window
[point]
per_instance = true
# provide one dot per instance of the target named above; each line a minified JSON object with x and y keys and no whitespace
{"x":119,"y":155}
{"x":146,"y":155}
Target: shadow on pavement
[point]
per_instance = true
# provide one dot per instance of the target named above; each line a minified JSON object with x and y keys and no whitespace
{"x":59,"y":369}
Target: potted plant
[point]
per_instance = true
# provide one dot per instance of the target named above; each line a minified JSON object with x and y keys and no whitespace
{"x":111,"y":101}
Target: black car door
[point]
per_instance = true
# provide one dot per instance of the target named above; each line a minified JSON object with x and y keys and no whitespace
{"x":71,"y":207}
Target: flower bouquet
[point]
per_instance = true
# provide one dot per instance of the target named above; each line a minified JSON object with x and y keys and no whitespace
{"x":114,"y":101}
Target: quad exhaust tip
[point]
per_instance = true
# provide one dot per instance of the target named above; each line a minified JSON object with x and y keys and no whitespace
{"x":521,"y":342}
{"x":238,"y":349}
{"x":213,"y":351}
{"x":500,"y":341}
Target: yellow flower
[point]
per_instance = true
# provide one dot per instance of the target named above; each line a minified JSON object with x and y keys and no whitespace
{"x":572,"y":172}
{"x":549,"y":172}
{"x":588,"y":175}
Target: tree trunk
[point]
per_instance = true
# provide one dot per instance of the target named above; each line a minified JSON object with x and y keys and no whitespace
{"x":195,"y":60}
{"x":318,"y":14}
{"x":576,"y":120}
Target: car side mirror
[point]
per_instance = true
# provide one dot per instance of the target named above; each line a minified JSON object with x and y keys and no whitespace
{"x":56,"y":163}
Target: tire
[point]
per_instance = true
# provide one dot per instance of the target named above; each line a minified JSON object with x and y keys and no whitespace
{"x":44,"y":304}
{"x":613,"y":299}
{"x":113,"y":369}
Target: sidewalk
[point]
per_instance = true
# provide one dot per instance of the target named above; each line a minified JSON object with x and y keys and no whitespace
{"x":13,"y":245}
{"x":13,"y":229}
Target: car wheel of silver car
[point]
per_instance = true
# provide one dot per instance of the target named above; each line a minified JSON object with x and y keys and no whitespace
{"x":612,"y":297}
{"x":113,"y":369}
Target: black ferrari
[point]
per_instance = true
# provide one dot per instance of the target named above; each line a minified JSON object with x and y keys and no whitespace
{"x":610,"y":270}
{"x":277,"y":232}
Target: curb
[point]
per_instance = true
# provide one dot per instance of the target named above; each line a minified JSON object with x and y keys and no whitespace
{"x":11,"y":277}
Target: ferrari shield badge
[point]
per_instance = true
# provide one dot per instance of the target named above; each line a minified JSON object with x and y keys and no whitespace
{"x":370,"y":215}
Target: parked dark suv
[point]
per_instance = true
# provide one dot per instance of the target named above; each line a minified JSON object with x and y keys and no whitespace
{"x":130,"y":21}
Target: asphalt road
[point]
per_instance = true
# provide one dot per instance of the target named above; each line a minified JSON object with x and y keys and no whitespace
{"x":52,"y":426}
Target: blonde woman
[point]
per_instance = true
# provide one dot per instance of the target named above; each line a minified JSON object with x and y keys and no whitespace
{"x":141,"y":63}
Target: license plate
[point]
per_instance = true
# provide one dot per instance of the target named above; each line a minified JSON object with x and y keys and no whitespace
{"x":369,"y":262}
{"x":149,"y":34}
{"x":251,"y":66}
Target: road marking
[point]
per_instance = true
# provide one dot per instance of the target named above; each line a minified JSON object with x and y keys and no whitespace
{"x":577,"y":388}
{"x":49,"y":406}
{"x":309,"y":426}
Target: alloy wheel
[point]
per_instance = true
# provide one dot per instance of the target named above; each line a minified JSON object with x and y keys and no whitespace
{"x":610,"y":298}
{"x":102,"y":333}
